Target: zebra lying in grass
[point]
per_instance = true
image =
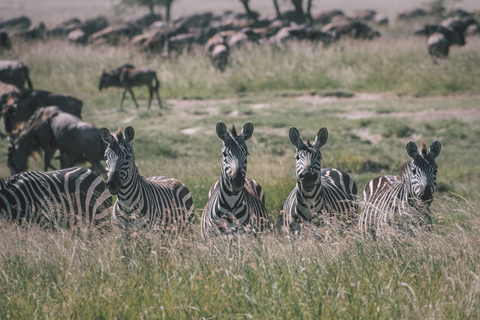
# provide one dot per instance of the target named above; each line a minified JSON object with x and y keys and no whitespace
{"x":319,"y":193}
{"x":66,"y":198}
{"x":402,"y":202}
{"x":143,"y":203}
{"x":235,"y":203}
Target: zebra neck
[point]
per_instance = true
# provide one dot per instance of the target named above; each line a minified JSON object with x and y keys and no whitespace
{"x":406,"y":190}
{"x":230,"y":203}
{"x":130,"y":197}
{"x":309,"y":203}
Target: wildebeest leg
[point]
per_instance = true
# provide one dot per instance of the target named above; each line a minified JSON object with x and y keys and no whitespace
{"x":49,"y":152}
{"x":123,"y":97}
{"x":158,"y":98}
{"x":133,"y":97}
{"x":150,"y":94}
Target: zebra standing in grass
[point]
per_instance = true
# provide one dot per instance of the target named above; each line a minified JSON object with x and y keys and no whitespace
{"x":143,"y":202}
{"x":319,"y":193}
{"x":402,"y":201}
{"x":56,"y":198}
{"x":236,"y":203}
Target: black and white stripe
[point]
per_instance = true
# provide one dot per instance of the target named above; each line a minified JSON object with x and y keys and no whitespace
{"x":143,"y":203}
{"x":402,"y":201}
{"x":236,"y":203}
{"x":319,"y":193}
{"x":64,"y":198}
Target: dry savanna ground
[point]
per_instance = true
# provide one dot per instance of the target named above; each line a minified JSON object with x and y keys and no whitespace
{"x":373,"y":96}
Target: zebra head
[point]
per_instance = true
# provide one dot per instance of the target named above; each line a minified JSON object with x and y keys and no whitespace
{"x":308,"y":159}
{"x":422,"y":172}
{"x":234,"y":155}
{"x":118,"y":156}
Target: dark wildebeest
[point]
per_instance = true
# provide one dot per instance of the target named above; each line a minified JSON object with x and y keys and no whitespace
{"x":16,"y":73}
{"x":127,"y":76}
{"x":5,"y":42}
{"x":441,"y":37}
{"x":51,"y":129}
{"x":219,"y":56}
{"x":27,"y":102}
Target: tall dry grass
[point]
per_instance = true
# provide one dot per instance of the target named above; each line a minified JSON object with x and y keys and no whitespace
{"x":325,"y":274}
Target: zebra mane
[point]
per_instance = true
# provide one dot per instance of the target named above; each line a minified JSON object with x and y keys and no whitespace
{"x":119,"y":134}
{"x":405,"y":172}
{"x":234,"y":131}
{"x":423,"y":148}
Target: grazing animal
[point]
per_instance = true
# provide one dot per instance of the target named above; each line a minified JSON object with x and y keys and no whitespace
{"x":51,"y":129}
{"x":8,"y":97}
{"x":16,"y":73}
{"x":402,"y":201}
{"x":67,"y":198}
{"x":219,"y":56}
{"x":5,"y":42}
{"x":127,"y":76}
{"x":143,"y":203}
{"x":441,"y":37}
{"x":235,"y":203}
{"x":319,"y":193}
{"x":29,"y":101}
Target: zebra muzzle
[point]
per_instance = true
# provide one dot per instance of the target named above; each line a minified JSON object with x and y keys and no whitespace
{"x":113,"y":183}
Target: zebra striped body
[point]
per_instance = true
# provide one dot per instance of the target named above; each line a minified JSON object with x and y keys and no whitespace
{"x":402,"y":201}
{"x":319,"y":193}
{"x":236,"y":203}
{"x":56,"y":198}
{"x":143,"y":203}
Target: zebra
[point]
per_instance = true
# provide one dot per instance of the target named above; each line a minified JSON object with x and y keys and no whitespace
{"x":319,"y":193}
{"x":143,"y":203}
{"x":56,"y":198}
{"x":236,"y":203}
{"x":402,"y":201}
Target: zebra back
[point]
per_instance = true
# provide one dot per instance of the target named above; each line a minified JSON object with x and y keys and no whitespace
{"x":319,"y":193}
{"x":66,"y":198}
{"x":402,"y":202}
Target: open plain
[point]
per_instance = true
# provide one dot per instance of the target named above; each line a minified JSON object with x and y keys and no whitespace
{"x":372,"y":95}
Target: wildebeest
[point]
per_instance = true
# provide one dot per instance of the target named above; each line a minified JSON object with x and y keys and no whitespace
{"x":441,"y":37}
{"x":219,"y":56}
{"x":16,"y":73}
{"x":28,"y":101}
{"x":127,"y":76}
{"x":51,"y":129}
{"x":37,"y":32}
{"x":5,"y":42}
{"x":19,"y":23}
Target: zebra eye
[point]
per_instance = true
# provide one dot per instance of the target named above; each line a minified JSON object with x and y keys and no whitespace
{"x":297,"y":157}
{"x":414,"y":170}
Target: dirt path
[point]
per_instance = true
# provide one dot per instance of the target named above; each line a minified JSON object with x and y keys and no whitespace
{"x":201,"y":108}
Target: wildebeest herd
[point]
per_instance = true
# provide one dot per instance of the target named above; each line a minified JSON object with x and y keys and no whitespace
{"x":40,"y":120}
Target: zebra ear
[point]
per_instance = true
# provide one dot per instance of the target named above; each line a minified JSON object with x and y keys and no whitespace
{"x":106,"y":135}
{"x":412,"y":149}
{"x":222,"y":131}
{"x":247,"y":131}
{"x":435,"y":148}
{"x":295,"y":138}
{"x":321,"y":137}
{"x":129,"y":134}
